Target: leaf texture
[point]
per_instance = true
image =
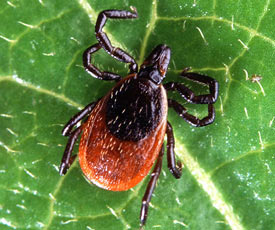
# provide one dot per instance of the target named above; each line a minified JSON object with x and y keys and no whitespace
{"x":228,"y":175}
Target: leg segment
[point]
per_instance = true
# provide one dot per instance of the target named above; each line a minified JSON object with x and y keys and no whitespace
{"x":189,"y":95}
{"x":104,"y":41}
{"x":92,"y":70}
{"x":67,"y":158}
{"x":67,"y":130}
{"x":150,"y":188}
{"x":181,"y":111}
{"x":175,"y":168}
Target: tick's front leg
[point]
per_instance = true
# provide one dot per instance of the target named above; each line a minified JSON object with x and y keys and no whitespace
{"x":104,"y":41}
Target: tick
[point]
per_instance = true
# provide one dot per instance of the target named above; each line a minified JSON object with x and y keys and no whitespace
{"x":123,"y":135}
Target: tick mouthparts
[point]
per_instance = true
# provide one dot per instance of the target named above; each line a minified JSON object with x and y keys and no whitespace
{"x":164,"y":60}
{"x":159,"y":58}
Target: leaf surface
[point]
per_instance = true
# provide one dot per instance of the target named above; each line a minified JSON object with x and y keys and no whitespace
{"x":228,"y":175}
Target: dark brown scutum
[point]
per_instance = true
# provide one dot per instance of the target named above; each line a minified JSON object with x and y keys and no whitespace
{"x":134,"y":109}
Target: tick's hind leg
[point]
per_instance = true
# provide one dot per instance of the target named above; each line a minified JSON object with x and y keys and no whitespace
{"x":150,"y":188}
{"x":67,"y":130}
{"x":67,"y":158}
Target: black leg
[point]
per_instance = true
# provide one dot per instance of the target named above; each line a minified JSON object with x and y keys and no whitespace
{"x":175,"y":168}
{"x":104,"y":41}
{"x":92,"y":70}
{"x":181,"y":111}
{"x":67,"y":158}
{"x":189,"y":95}
{"x":67,"y":130}
{"x":150,"y":188}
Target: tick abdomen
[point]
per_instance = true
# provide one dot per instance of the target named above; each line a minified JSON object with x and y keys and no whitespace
{"x":134,"y":109}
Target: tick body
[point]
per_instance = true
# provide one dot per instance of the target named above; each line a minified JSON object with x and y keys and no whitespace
{"x":124,"y":133}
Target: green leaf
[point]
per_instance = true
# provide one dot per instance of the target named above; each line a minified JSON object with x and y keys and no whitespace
{"x":228,"y":175}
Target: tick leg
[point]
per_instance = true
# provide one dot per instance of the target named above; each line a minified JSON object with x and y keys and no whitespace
{"x":67,"y":158}
{"x":104,"y":41}
{"x":175,"y":168}
{"x":189,"y":95}
{"x":150,"y":188}
{"x":92,"y":70}
{"x":67,"y":130}
{"x":182,"y":112}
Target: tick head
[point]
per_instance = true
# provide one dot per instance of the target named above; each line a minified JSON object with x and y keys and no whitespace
{"x":155,"y":65}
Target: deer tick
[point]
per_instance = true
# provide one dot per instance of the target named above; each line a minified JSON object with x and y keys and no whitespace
{"x":124,"y":134}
